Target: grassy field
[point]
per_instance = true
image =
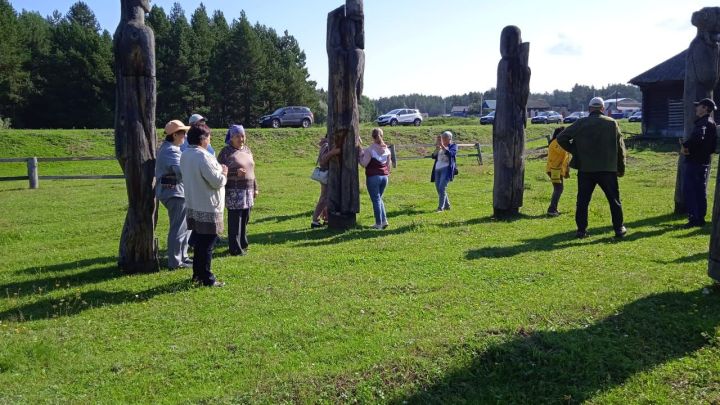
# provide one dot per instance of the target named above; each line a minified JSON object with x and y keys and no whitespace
{"x":439,"y":307}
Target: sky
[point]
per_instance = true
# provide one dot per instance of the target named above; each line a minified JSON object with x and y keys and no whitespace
{"x":452,"y":46}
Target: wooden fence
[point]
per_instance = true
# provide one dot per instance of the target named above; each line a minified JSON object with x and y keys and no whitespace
{"x":34,"y":178}
{"x":478,"y":147}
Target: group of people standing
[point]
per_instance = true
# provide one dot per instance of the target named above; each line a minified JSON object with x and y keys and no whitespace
{"x":376,"y":159}
{"x":596,"y":146}
{"x":195,"y":187}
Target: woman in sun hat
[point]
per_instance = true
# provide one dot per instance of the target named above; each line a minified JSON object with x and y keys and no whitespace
{"x":171,"y":193}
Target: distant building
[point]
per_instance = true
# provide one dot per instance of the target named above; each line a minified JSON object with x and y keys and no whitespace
{"x":489,"y":105}
{"x":459,"y":111}
{"x":662,"y":90}
{"x":625,"y":106}
{"x":534,"y":107}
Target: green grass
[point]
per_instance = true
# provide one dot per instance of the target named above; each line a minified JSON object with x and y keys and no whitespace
{"x":446,"y":307}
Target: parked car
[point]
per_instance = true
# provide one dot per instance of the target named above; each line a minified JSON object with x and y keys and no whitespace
{"x":487,"y":119}
{"x":547,"y":117}
{"x":575,"y":116}
{"x":637,"y":117}
{"x":401,"y":116}
{"x":288,"y":117}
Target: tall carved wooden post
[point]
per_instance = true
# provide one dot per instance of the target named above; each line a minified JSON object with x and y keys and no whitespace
{"x":513,"y":88}
{"x":135,"y":139}
{"x":702,"y":72}
{"x":707,"y":55}
{"x":346,"y":60}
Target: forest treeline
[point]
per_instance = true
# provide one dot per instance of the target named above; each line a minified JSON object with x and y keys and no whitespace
{"x":57,"y":72}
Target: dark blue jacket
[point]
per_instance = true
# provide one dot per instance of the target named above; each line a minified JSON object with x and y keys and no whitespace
{"x":452,"y":167}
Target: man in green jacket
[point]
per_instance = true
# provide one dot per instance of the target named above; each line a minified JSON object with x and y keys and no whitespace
{"x":598,"y":154}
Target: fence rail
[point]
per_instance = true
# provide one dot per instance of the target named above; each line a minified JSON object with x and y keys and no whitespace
{"x":34,"y":178}
{"x":478,"y":147}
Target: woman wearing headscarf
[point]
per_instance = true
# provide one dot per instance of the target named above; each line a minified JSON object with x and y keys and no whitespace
{"x":444,"y":168}
{"x":204,"y":179}
{"x":241,"y":188}
{"x":171,"y":193}
{"x":376,"y":161}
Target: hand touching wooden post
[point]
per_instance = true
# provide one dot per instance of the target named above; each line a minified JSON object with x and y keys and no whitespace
{"x":346,"y":60}
{"x":135,"y":139}
{"x":513,"y":88}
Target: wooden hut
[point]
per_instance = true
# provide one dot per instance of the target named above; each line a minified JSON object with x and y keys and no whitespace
{"x":662,"y":90}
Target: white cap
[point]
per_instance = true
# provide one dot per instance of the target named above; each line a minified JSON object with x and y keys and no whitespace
{"x":195,"y":118}
{"x":597,"y":102}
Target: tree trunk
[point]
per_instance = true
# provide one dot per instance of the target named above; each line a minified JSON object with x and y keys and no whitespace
{"x":513,"y":88}
{"x":346,"y":61}
{"x":135,"y":138}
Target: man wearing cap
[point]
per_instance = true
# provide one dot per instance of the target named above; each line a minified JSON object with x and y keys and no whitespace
{"x":197,"y":119}
{"x":598,"y":154}
{"x":170,"y":191}
{"x":698,"y":148}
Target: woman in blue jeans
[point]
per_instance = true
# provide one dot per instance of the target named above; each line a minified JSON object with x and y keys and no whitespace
{"x":444,"y":168}
{"x":376,"y":161}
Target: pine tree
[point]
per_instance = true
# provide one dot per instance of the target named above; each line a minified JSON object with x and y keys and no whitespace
{"x":203,"y":43}
{"x":164,"y":60}
{"x":12,"y":57}
{"x":240,"y":64}
{"x":79,"y":85}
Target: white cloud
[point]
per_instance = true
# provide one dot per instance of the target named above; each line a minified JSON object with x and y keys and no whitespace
{"x":565,"y":46}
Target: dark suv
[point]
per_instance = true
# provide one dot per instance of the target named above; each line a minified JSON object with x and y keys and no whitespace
{"x":288,"y":117}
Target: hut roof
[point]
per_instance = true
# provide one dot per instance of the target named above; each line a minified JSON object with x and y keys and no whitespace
{"x":672,"y":69}
{"x":537,"y":104}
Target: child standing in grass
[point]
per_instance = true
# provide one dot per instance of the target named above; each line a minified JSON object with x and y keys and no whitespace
{"x":557,"y":169}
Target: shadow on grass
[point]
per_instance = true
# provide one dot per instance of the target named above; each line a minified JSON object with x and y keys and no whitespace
{"x":567,"y":239}
{"x":702,"y":256}
{"x":323,"y":236}
{"x":60,"y":267}
{"x":576,"y":365}
{"x":74,"y":304}
{"x":283,"y":218}
{"x":47,"y":284}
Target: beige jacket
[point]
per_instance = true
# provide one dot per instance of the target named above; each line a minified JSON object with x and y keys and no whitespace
{"x":204,"y":190}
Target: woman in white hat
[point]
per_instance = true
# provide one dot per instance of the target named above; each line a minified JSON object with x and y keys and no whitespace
{"x":171,"y":193}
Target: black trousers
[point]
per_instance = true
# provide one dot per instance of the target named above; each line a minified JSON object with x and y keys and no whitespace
{"x":695,"y":179}
{"x":608,"y":182}
{"x":202,"y":258}
{"x":237,"y":230}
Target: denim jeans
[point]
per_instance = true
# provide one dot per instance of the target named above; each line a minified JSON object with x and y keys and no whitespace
{"x":695,"y":178}
{"x":178,"y":234}
{"x":376,"y":187}
{"x":442,"y":179}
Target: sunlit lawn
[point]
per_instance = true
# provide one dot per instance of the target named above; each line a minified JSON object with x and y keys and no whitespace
{"x":439,"y":307}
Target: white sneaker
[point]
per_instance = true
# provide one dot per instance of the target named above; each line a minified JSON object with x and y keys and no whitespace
{"x":385,"y":225}
{"x":377,"y":226}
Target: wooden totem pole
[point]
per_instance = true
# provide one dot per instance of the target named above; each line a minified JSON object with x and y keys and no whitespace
{"x":702,"y":72}
{"x":135,"y":139}
{"x":704,"y":58}
{"x":513,"y":88}
{"x":346,"y":60}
